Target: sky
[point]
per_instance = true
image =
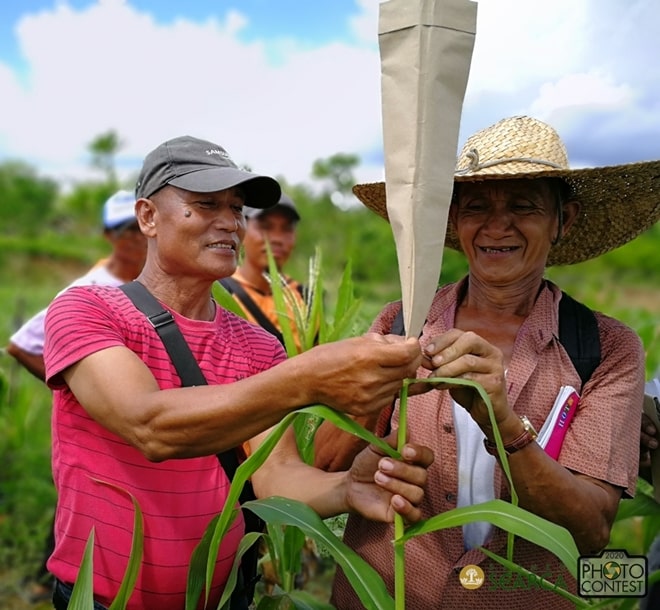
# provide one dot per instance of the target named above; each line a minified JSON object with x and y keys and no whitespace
{"x":282,"y":83}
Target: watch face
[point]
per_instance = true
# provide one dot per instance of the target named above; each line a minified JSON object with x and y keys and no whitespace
{"x":528,"y":426}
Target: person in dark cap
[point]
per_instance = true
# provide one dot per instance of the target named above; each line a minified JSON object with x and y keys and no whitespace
{"x":251,"y":282}
{"x":121,"y":417}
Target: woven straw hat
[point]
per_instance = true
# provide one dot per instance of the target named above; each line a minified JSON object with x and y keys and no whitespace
{"x":617,"y":202}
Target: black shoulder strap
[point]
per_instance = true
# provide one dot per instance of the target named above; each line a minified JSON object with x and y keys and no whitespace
{"x":177,"y":348}
{"x":578,"y":333}
{"x":163,"y":321}
{"x":398,"y":327}
{"x":234,"y":287}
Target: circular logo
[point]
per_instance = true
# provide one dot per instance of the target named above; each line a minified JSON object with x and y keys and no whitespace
{"x":611,"y":570}
{"x":471,"y":577}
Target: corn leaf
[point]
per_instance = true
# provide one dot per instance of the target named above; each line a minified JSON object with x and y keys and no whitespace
{"x":82,"y":596}
{"x":314,"y":314}
{"x":276,"y":549}
{"x":303,"y":600}
{"x":197,"y":565}
{"x":305,"y":428}
{"x":344,"y":422}
{"x":226,"y":301}
{"x":280,"y":301}
{"x":542,"y":582}
{"x":366,"y":582}
{"x":243,"y":473}
{"x":294,"y":600}
{"x":508,"y":517}
{"x":259,"y":456}
{"x":135,"y":557}
{"x":294,"y":540}
{"x":246,"y":542}
{"x":639,"y":506}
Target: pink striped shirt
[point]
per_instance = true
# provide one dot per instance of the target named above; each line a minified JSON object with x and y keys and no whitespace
{"x":178,"y":497}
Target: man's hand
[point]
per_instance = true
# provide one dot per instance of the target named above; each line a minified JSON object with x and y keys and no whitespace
{"x":459,"y":354}
{"x":379,"y":486}
{"x":361,"y":375}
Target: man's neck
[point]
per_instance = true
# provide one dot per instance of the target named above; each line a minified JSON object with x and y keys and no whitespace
{"x":121,"y":270}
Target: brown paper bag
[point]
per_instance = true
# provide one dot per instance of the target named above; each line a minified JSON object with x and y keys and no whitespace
{"x":425,"y":49}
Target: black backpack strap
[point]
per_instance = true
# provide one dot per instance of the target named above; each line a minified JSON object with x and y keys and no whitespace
{"x":578,"y":333}
{"x":234,"y":287}
{"x":163,"y":322}
{"x":178,"y":349}
{"x":190,"y":374}
{"x":398,"y":327}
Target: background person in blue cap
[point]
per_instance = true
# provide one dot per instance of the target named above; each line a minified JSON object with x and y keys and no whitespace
{"x":26,"y":345}
{"x":121,"y":415}
{"x":129,"y":249}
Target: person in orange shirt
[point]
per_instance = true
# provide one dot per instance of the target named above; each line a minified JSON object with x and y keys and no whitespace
{"x":250,"y":285}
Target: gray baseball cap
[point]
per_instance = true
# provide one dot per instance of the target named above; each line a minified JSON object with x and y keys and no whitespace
{"x":285,"y":204}
{"x":202,"y":167}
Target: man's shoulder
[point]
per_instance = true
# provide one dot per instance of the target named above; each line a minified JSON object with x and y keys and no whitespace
{"x":98,"y":274}
{"x":105,"y":291}
{"x":92,"y":299}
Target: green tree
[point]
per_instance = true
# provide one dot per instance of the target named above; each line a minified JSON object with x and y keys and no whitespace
{"x":103,"y":149}
{"x":338,"y":171}
{"x":27,"y":199}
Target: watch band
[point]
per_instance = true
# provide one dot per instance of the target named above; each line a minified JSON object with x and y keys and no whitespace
{"x":527,"y":436}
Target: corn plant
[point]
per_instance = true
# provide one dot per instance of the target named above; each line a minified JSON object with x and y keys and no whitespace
{"x":312,"y":325}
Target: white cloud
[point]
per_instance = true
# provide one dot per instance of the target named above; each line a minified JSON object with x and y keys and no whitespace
{"x":278,"y":107}
{"x":588,"y":91}
{"x":364,"y":23}
{"x":113,"y":67}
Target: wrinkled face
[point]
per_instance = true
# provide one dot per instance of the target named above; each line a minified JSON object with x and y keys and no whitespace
{"x":194,"y":234}
{"x":279,"y":229}
{"x":506,"y":227}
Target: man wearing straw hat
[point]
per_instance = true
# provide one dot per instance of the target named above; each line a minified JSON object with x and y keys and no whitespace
{"x":517,"y":208}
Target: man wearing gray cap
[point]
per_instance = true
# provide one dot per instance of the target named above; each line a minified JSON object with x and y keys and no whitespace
{"x":273,"y":227}
{"x":121,"y":415}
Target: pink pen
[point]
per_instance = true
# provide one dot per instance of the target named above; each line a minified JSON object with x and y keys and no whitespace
{"x":558,"y":432}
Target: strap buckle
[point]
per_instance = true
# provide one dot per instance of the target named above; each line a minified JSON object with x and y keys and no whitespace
{"x":160,"y":319}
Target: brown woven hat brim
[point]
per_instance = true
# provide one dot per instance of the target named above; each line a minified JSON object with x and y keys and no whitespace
{"x":617,"y":204}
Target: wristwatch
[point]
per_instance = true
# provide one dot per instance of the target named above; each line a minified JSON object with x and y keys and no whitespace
{"x":527,"y":436}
